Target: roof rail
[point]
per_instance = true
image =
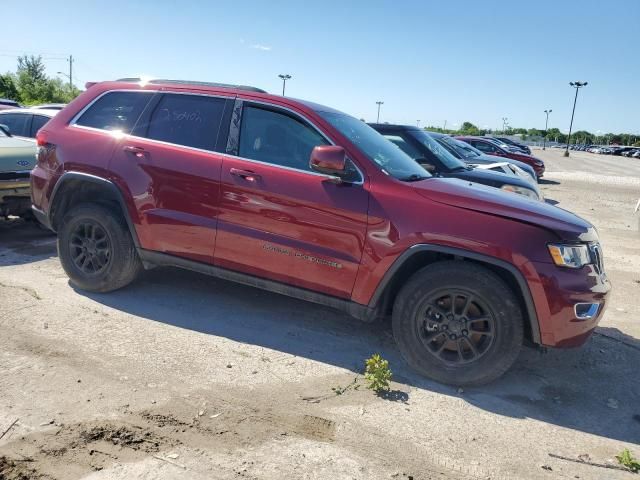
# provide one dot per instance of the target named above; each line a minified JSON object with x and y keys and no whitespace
{"x":192,"y":82}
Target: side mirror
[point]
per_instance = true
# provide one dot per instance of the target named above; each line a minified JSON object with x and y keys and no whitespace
{"x":5,"y":129}
{"x":328,"y":159}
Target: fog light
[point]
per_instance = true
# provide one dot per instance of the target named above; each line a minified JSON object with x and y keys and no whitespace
{"x":585,"y":311}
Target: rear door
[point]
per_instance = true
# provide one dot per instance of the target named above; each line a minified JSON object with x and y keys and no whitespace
{"x":172,"y":169}
{"x":280,"y":220}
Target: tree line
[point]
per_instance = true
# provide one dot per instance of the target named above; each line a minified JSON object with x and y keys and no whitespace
{"x":581,"y":137}
{"x":30,"y":85}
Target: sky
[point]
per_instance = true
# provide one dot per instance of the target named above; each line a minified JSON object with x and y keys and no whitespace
{"x":467,"y":60}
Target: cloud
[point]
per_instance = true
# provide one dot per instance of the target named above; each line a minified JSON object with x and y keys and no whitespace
{"x":264,"y":48}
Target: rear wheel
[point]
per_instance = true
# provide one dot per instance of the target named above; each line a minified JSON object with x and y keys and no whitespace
{"x":96,"y":249}
{"x":458,"y":323}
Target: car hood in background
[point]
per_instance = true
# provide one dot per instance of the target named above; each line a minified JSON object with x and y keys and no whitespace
{"x":489,"y":200}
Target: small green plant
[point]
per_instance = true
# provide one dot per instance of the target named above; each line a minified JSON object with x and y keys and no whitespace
{"x":628,"y":460}
{"x":377,"y":373}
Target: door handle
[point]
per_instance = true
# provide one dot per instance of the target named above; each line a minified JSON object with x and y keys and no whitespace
{"x":245,"y":174}
{"x":138,"y":152}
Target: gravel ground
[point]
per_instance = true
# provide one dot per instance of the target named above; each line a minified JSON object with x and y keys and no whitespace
{"x":182,"y":376}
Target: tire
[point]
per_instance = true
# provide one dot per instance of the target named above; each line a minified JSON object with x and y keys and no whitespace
{"x":424,"y":323}
{"x":110,"y":262}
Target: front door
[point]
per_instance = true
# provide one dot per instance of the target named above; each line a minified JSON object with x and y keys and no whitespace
{"x":280,"y":220}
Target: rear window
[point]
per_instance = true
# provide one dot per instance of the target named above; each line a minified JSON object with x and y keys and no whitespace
{"x":115,"y":111}
{"x":189,"y":120}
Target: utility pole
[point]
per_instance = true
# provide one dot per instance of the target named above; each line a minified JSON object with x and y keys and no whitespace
{"x":445,"y":126}
{"x":379,"y":103}
{"x":284,"y":78}
{"x":71,"y":73}
{"x":504,"y":125}
{"x":417,"y":123}
{"x":577,"y":86}
{"x":546,"y":127}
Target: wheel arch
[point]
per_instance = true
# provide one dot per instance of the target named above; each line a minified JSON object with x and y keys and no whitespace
{"x":419,"y":256}
{"x":74,"y":188}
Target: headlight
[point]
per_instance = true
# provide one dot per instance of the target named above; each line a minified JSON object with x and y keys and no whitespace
{"x":571,"y":256}
{"x":527,"y":192}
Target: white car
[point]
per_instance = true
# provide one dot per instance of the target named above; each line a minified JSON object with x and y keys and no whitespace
{"x":25,"y":122}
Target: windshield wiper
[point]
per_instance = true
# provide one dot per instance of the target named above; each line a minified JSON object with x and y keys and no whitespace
{"x":414,"y":178}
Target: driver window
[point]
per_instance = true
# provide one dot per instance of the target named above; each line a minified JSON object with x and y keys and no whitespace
{"x":485,"y":147}
{"x":276,"y":138}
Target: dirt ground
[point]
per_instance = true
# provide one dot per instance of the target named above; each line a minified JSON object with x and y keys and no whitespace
{"x":181,"y":376}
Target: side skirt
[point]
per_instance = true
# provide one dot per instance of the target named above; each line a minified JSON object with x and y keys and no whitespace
{"x":356,"y":310}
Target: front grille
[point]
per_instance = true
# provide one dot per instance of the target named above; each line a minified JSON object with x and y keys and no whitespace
{"x":15,"y":175}
{"x":596,"y":256}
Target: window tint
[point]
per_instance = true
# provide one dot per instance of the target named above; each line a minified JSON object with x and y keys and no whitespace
{"x":276,"y":138}
{"x":38,"y":122}
{"x":115,"y":111}
{"x":405,"y":146}
{"x":18,"y":123}
{"x":190,"y":120}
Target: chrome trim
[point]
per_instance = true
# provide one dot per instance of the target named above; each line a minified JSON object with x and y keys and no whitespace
{"x":596,"y":257}
{"x":591,"y":311}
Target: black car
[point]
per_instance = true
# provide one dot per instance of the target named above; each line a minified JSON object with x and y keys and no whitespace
{"x":513,"y":143}
{"x":436,"y":159}
{"x":471,"y":155}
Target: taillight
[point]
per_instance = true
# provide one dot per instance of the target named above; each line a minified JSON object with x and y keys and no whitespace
{"x":41,"y":139}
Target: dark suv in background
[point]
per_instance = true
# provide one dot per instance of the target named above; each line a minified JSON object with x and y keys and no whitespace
{"x":303,"y":200}
{"x":489,"y":147}
{"x":436,"y":159}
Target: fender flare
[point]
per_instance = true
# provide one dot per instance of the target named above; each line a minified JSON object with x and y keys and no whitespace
{"x":458,"y":252}
{"x":103,"y":182}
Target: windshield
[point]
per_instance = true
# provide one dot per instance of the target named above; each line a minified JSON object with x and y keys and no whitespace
{"x":462,"y":148}
{"x":385,"y":154}
{"x":438,"y":150}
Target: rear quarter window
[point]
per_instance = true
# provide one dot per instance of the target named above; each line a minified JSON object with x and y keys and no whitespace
{"x":115,"y":111}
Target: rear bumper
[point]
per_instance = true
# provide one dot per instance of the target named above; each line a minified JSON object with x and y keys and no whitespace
{"x":556,"y":295}
{"x":15,"y":197}
{"x":41,"y":217}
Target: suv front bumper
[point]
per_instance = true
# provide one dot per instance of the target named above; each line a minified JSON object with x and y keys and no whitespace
{"x":569,"y":303}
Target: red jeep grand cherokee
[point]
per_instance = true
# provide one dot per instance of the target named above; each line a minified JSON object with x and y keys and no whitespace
{"x":306,"y":201}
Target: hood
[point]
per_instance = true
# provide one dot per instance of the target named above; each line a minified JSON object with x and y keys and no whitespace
{"x":495,"y":179}
{"x":492,"y":201}
{"x":16,"y":154}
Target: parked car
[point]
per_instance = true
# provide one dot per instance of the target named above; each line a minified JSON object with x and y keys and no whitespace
{"x":437,"y":160}
{"x":636,"y":154}
{"x":474,"y":157}
{"x":17,"y":158}
{"x":521,"y":146}
{"x":490,"y":148}
{"x":6,"y":104}
{"x":50,"y":106}
{"x":301,"y":199}
{"x":25,"y":122}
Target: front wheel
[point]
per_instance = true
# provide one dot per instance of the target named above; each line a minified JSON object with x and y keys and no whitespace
{"x":96,"y":249}
{"x":458,"y":323}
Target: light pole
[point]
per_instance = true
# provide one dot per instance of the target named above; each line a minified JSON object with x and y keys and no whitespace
{"x":546,"y":127}
{"x":284,"y":78}
{"x":417,"y":123}
{"x":445,"y":127}
{"x":504,"y":125}
{"x":378,"y":103}
{"x":577,"y":86}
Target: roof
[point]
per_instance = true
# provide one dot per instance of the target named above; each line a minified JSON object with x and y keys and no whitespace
{"x":393,"y":126}
{"x":39,"y":111}
{"x":165,"y":81}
